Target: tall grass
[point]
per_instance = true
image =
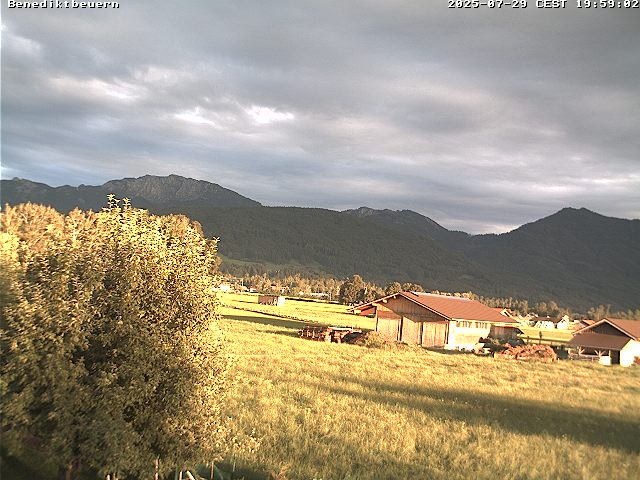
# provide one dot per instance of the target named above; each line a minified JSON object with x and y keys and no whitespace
{"x":341,"y":411}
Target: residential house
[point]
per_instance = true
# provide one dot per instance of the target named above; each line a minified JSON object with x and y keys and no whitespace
{"x":550,"y":322}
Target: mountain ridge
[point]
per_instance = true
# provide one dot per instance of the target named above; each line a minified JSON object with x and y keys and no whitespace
{"x":146,"y":191}
{"x":575,"y":256}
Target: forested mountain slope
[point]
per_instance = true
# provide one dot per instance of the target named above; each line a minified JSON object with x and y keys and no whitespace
{"x":574,"y":254}
{"x":337,"y":244}
{"x":576,"y":257}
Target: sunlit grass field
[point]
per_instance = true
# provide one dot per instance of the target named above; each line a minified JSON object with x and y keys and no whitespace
{"x":317,"y":312}
{"x":341,"y":411}
{"x":547,"y":335}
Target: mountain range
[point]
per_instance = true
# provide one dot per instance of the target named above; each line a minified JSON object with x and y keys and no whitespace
{"x":575,"y":257}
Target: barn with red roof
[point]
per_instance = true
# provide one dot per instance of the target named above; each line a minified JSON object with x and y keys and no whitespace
{"x":432,"y":320}
{"x":615,"y":338}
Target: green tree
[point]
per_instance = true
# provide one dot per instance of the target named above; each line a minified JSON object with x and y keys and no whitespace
{"x":368,"y":294}
{"x":599,"y":312}
{"x":111,"y":354}
{"x":393,"y":287}
{"x":351,"y":290}
{"x":412,"y":287}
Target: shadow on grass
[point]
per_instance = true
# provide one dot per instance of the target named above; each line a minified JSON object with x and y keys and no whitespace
{"x":448,"y":352}
{"x":18,"y":469}
{"x":521,"y":416}
{"x":286,"y":333}
{"x":246,"y":301}
{"x":525,"y":417}
{"x":273,"y":321}
{"x":500,"y":412}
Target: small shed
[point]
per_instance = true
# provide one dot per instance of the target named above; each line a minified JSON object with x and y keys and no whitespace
{"x":613,"y":337}
{"x":277,"y":300}
{"x":432,"y":320}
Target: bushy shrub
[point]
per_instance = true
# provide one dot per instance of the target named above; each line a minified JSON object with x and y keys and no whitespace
{"x":111,"y":354}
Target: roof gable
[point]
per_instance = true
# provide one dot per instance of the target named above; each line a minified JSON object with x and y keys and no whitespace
{"x":630,"y":328}
{"x":599,"y":341}
{"x":458,"y":308}
{"x":452,"y":308}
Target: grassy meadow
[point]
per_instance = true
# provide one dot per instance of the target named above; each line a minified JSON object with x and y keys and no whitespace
{"x":305,"y":311}
{"x":547,"y":335}
{"x":346,"y":412}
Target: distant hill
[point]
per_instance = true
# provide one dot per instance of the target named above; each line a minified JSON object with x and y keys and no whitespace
{"x":338,"y":244}
{"x":145,"y":192}
{"x":574,"y":254}
{"x":577,"y":258}
{"x":408,"y":221}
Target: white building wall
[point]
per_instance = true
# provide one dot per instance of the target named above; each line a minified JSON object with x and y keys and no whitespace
{"x":629,"y":353}
{"x":462,"y":337}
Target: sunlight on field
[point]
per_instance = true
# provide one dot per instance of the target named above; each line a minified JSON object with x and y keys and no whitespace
{"x":341,"y":411}
{"x":546,"y":334}
{"x":305,"y":311}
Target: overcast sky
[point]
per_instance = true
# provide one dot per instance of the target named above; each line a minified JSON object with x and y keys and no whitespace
{"x":482,"y":119}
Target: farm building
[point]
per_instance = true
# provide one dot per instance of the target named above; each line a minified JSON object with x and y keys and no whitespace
{"x":507,"y":312}
{"x":223,"y":287}
{"x":580,"y":324}
{"x":433,"y":320}
{"x":548,"y":322}
{"x":277,"y":300}
{"x":611,"y":337}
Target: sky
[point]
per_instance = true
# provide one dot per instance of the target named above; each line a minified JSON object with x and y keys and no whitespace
{"x":482,"y":119}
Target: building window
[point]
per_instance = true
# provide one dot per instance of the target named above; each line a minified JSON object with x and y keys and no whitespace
{"x":465,"y":324}
{"x":482,"y":325}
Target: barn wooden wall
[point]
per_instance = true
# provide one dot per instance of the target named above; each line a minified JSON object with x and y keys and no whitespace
{"x":503,"y":332}
{"x":388,"y":323}
{"x":434,"y":334}
{"x":419,"y":325}
{"x":399,"y":319}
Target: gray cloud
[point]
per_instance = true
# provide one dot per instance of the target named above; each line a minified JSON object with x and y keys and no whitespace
{"x":481,"y":119}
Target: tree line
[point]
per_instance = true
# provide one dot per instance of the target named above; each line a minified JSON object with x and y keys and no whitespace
{"x":355,"y":290}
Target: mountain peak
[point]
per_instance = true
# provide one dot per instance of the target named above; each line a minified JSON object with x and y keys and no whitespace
{"x":361,"y":211}
{"x":145,"y":192}
{"x":570,"y":215}
{"x":574,"y":256}
{"x":574,"y":211}
{"x":173,"y":189}
{"x":410,"y":222}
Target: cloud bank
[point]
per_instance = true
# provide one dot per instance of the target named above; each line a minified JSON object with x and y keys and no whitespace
{"x":481,"y":119}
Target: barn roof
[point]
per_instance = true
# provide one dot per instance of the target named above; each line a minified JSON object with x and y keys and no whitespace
{"x":599,"y":341}
{"x":587,"y":322}
{"x":453,"y":308}
{"x":630,"y":328}
{"x":547,"y":319}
